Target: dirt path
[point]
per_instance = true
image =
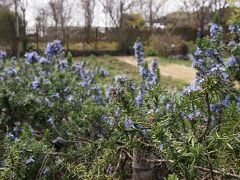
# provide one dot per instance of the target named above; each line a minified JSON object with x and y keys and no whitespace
{"x":175,"y":71}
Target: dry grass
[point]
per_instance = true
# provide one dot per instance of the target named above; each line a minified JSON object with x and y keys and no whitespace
{"x":175,"y":71}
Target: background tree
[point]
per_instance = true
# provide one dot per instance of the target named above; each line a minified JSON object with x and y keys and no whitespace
{"x":54,"y":13}
{"x":60,"y":11}
{"x":199,"y":10}
{"x":88,"y":7}
{"x":8,"y":37}
{"x":23,"y":6}
{"x":152,"y":10}
{"x":117,"y":10}
{"x":41,"y":21}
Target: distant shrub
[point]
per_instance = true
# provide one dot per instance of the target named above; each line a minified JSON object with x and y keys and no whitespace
{"x":152,"y":52}
{"x":168,"y":45}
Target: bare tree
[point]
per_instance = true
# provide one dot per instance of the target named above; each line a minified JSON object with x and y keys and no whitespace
{"x":116,"y":9}
{"x":117,"y":12}
{"x":219,"y":7}
{"x":23,"y":6}
{"x":202,"y":10}
{"x":6,"y":3}
{"x":42,"y":21}
{"x":152,"y":10}
{"x":88,"y":7}
{"x":54,"y":12}
{"x":199,"y":11}
{"x":60,"y":11}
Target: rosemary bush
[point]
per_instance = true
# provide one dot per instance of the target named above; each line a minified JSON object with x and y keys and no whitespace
{"x":59,"y":120}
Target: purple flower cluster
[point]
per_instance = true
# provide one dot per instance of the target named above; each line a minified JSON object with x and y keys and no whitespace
{"x":195,"y":86}
{"x":96,"y":93}
{"x":208,"y":62}
{"x":154,"y":66}
{"x":63,"y":64}
{"x":215,"y":30}
{"x":120,"y":79}
{"x":234,"y":28}
{"x":32,"y":57}
{"x":128,"y":124}
{"x":84,"y":76}
{"x":139,"y":54}
{"x":144,"y":71}
{"x":150,"y":75}
{"x":11,"y":136}
{"x":54,"y":48}
{"x":11,"y":71}
{"x":104,"y":73}
{"x":3,"y":54}
{"x":139,"y":98}
{"x":43,"y":60}
{"x":35,"y":83}
{"x":30,"y":160}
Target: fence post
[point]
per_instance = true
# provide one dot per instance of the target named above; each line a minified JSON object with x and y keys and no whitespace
{"x":96,"y":38}
{"x":67,"y":39}
{"x":37,"y":38}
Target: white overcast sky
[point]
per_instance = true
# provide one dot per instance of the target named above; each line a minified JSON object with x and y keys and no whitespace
{"x":34,"y":5}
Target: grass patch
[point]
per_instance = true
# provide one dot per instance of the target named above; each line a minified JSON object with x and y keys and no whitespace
{"x":167,"y":61}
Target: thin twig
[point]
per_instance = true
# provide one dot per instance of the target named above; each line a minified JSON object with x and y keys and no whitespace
{"x":198,"y":168}
{"x":119,"y":161}
{"x":127,"y":153}
{"x":218,"y":172}
{"x":2,"y":169}
{"x":42,"y":166}
{"x":160,"y":161}
{"x":209,"y":117}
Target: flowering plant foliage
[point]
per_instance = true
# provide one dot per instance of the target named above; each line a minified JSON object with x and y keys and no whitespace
{"x":60,"y":121}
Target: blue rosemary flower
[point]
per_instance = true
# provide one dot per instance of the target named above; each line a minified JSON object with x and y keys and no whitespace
{"x":197,"y":52}
{"x":35,"y":83}
{"x":232,"y":62}
{"x":154,"y":66}
{"x":43,"y":60}
{"x":234,"y":28}
{"x":104,"y":73}
{"x":11,"y":136}
{"x":215,"y":29}
{"x":110,"y":169}
{"x":139,"y":98}
{"x":63,"y":64}
{"x":32,"y":57}
{"x":120,"y":79}
{"x":70,"y":98}
{"x":86,"y":83}
{"x":192,"y":88}
{"x":139,"y":54}
{"x":191,"y":116}
{"x":11,"y":71}
{"x":50,"y":121}
{"x":47,"y":102}
{"x":30,"y":160}
{"x":144,"y":71}
{"x":54,"y":48}
{"x":3,"y":54}
{"x":129,"y":124}
{"x":96,"y":92}
{"x":168,"y":106}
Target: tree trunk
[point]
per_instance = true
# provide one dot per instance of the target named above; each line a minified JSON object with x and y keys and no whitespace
{"x":142,"y":170}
